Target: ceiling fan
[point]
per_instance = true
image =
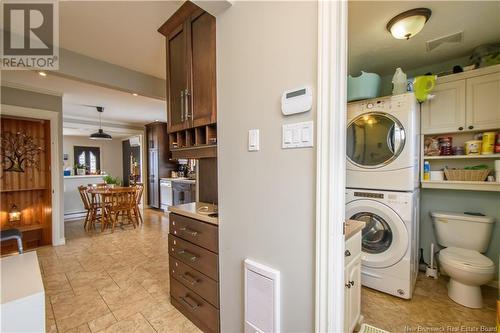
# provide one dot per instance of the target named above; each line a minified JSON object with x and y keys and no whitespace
{"x":100,"y":134}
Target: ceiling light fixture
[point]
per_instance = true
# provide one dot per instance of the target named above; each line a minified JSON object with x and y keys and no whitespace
{"x":135,"y":94}
{"x":409,"y":23}
{"x":100,"y":135}
{"x":42,"y":74}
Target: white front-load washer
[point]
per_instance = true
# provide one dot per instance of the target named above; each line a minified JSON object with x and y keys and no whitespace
{"x":389,"y":239}
{"x":383,"y":143}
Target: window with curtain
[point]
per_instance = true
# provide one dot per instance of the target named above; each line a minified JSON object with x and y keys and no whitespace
{"x":88,"y":156}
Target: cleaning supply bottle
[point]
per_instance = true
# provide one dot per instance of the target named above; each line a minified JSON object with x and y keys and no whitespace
{"x":427,"y":170}
{"x":399,"y":82}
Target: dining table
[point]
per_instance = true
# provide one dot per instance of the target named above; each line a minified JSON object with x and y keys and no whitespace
{"x":103,"y":191}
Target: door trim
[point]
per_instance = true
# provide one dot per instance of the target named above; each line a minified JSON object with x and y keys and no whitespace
{"x":331,"y":165}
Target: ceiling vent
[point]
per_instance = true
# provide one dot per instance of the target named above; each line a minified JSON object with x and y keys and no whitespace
{"x":453,"y":38}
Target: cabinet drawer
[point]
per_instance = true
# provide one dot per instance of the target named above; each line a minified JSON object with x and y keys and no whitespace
{"x":194,"y":231}
{"x":194,"y":280}
{"x":199,"y":311}
{"x":352,"y":248}
{"x":194,"y":256}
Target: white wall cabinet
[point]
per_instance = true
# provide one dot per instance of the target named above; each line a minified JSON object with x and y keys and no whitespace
{"x":446,"y":111}
{"x":483,"y":102}
{"x":467,"y":101}
{"x":352,"y":279}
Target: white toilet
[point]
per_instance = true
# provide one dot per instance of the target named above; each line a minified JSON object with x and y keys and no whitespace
{"x":465,"y":238}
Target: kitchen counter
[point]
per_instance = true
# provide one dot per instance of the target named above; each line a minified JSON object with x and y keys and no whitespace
{"x":181,"y":180}
{"x":191,"y":210}
{"x":83,"y":176}
{"x":352,"y":227}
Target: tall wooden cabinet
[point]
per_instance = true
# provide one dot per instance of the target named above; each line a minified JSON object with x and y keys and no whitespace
{"x":468,"y":101}
{"x":159,"y":163}
{"x":191,"y":78}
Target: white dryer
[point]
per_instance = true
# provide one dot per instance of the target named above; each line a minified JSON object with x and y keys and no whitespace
{"x":389,"y":239}
{"x":383,"y":143}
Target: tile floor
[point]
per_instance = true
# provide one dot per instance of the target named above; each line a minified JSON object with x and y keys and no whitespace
{"x":429,"y":310}
{"x":103,"y":282}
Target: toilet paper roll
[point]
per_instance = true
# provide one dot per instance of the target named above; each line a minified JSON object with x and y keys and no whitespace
{"x":437,"y":175}
{"x":497,"y":165}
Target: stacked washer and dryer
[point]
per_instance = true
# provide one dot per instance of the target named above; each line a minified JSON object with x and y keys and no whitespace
{"x":383,"y":189}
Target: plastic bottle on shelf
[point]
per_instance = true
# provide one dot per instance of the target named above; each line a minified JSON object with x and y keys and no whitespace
{"x":427,"y":170}
{"x":399,"y":82}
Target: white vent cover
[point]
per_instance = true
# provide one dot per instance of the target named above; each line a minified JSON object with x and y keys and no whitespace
{"x":453,"y":38}
{"x":262,"y":302}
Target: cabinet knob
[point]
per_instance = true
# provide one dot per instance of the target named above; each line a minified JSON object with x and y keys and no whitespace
{"x":349,"y":284}
{"x":347,"y":253}
{"x":460,"y":128}
{"x":471,"y":127}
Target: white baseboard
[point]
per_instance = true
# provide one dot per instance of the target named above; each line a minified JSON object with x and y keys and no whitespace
{"x":74,"y":216}
{"x":60,"y":241}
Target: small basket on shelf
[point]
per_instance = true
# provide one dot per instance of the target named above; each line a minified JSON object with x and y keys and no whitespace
{"x":466,"y":175}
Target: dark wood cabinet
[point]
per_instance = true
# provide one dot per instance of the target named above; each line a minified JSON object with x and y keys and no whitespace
{"x":159,"y":163}
{"x":194,"y":270}
{"x":191,"y":78}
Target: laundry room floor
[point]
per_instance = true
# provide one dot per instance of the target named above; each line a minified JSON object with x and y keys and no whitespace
{"x":430,"y":309}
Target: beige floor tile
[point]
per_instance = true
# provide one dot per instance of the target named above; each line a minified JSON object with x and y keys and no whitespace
{"x":135,"y":323}
{"x":56,"y":284}
{"x":84,"y":328}
{"x":101,"y":323}
{"x":117,"y":298}
{"x":50,"y":325}
{"x":83,"y":282}
{"x":71,"y":312}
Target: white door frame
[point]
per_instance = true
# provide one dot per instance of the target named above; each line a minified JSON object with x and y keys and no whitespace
{"x":331,"y":165}
{"x":55,"y":161}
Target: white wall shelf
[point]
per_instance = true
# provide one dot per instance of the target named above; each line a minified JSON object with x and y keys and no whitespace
{"x":462,"y":185}
{"x":460,"y":157}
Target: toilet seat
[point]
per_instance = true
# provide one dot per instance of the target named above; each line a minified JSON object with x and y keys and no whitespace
{"x":467,"y":260}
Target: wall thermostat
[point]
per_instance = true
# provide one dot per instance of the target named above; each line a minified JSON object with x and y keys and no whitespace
{"x":296,"y":101}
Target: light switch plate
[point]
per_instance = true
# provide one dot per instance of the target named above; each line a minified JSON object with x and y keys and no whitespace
{"x":253,"y":140}
{"x":298,"y":135}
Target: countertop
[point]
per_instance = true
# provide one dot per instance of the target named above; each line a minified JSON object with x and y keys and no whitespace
{"x":352,"y":227}
{"x":181,"y":180}
{"x":83,"y":176}
{"x":21,"y":277}
{"x":191,"y":210}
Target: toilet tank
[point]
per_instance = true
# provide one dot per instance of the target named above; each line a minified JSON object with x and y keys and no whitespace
{"x":463,"y":230}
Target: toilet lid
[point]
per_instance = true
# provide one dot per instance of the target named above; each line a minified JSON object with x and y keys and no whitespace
{"x":464,"y":257}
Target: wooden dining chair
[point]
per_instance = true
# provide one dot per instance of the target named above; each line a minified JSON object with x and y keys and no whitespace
{"x":122,"y":202}
{"x":84,"y":195}
{"x":140,"y":190}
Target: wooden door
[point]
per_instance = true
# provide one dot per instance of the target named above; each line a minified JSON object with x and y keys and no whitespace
{"x":446,"y":111}
{"x":483,"y":102}
{"x":202,"y":95}
{"x":177,"y":79}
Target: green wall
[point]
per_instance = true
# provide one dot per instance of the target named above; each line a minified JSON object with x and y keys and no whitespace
{"x":487,"y":203}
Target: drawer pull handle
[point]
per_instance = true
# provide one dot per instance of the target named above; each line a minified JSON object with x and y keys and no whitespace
{"x":193,"y":306}
{"x":189,"y":231}
{"x":187,"y":255}
{"x":189,"y":279}
{"x":347,"y":253}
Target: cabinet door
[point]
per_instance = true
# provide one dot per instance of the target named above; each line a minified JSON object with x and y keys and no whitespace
{"x":446,"y":111}
{"x":202,"y":97}
{"x":483,"y":102}
{"x":352,"y":300}
{"x":177,"y":76}
{"x":153,"y":185}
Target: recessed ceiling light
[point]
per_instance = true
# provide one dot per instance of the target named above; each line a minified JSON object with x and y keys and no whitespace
{"x":409,"y":23}
{"x":135,"y":94}
{"x":42,"y":74}
{"x":156,"y":120}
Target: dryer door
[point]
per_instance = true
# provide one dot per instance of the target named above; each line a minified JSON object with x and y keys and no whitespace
{"x":374,"y":140}
{"x":385,"y":236}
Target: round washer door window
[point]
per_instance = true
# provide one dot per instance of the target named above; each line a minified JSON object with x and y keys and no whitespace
{"x":384,"y":238}
{"x":374,"y":140}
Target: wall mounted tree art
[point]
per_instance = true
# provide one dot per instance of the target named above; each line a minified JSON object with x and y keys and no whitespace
{"x":18,"y":151}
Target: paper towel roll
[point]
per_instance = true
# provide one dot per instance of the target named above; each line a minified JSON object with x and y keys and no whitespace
{"x":497,"y":165}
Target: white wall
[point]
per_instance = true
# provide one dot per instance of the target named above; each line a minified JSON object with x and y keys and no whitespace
{"x":111,"y":153}
{"x":266,"y":198}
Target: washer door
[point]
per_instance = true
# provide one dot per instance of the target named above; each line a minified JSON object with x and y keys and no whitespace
{"x":374,"y":140}
{"x":384,"y":238}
